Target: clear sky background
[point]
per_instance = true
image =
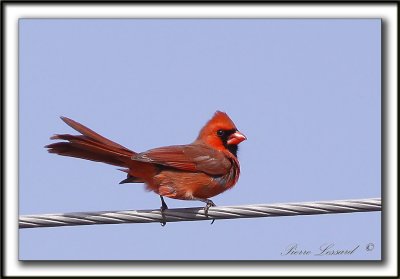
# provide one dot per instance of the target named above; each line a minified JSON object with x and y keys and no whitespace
{"x":305,"y":92}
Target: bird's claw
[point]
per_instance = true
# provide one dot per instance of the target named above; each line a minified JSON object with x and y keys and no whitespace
{"x":209,"y":203}
{"x":163,"y":222}
{"x":162,"y":209}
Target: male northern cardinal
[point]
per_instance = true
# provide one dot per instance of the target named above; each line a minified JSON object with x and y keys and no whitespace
{"x":196,"y":171}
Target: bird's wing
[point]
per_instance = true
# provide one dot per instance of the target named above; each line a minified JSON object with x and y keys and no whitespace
{"x":192,"y":157}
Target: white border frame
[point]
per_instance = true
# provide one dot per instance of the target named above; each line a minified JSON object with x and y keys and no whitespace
{"x":13,"y":12}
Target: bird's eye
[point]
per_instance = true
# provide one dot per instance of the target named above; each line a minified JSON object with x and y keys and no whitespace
{"x":220,"y":133}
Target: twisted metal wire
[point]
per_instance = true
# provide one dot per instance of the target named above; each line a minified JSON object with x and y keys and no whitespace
{"x":197,"y":213}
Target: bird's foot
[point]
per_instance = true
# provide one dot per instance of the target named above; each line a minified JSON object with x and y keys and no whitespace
{"x":209,"y":203}
{"x":163,"y":208}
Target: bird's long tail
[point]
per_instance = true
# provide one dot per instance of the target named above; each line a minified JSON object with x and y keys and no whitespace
{"x":90,"y":146}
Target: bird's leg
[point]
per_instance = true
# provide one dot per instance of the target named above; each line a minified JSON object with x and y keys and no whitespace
{"x":209,"y":203}
{"x":163,"y":208}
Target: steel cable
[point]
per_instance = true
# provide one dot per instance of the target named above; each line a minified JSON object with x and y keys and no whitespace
{"x":197,"y":213}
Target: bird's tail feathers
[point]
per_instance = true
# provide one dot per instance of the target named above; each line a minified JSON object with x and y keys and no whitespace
{"x":90,"y":146}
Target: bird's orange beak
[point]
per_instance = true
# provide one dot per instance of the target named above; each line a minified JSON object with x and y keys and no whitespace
{"x":236,"y":138}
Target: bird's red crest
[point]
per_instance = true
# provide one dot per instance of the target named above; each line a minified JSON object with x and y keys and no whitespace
{"x":222,"y":119}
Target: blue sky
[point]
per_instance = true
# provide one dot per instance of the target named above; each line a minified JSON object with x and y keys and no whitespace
{"x":305,"y":92}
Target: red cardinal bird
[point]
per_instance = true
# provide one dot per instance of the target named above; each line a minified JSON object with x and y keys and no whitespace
{"x":196,"y":171}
